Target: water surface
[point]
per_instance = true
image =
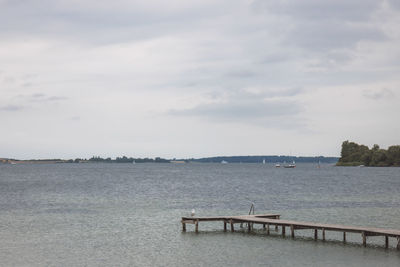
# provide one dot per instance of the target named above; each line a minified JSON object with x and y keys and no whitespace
{"x":129,"y":214}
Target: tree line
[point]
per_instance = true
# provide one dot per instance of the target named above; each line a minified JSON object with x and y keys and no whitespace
{"x":353,"y":154}
{"x":123,"y":159}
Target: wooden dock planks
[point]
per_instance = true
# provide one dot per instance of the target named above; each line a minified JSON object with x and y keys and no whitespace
{"x":274,"y":219}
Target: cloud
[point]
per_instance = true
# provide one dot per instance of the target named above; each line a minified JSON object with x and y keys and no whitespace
{"x":97,"y":22}
{"x":228,"y":64}
{"x":11,"y":108}
{"x":241,"y":74}
{"x":320,"y":26}
{"x":75,"y":118}
{"x":354,"y":10}
{"x":394,"y":3}
{"x":56,"y":98}
{"x":22,"y":102}
{"x":242,"y":110}
{"x":378,"y":94}
{"x":40,"y":97}
{"x":266,"y":108}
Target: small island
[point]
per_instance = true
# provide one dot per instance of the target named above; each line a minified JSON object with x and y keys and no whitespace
{"x":354,"y":154}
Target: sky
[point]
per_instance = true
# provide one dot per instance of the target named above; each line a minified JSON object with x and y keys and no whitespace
{"x":197,"y":78}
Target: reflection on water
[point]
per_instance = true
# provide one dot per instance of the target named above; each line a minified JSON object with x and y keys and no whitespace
{"x":122,"y":214}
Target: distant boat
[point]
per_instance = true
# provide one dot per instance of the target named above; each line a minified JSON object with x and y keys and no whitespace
{"x":263,"y":161}
{"x":277,"y":165}
{"x":224,"y":162}
{"x":291,"y":165}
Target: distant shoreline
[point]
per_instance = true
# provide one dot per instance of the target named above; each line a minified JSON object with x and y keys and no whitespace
{"x":227,"y":159}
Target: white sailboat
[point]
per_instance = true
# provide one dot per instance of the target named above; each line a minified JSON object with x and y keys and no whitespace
{"x":290,"y":165}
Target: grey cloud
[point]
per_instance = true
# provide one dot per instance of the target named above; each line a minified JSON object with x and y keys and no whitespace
{"x":354,"y":10}
{"x":274,"y":58}
{"x":28,"y":84}
{"x":323,"y":26}
{"x":331,"y":35}
{"x":270,"y":114}
{"x":241,"y":74}
{"x":394,"y":3}
{"x":34,"y":99}
{"x":75,"y":118}
{"x":286,"y":92}
{"x":11,"y":108}
{"x":9,"y":79}
{"x":56,"y":98}
{"x":378,"y":94}
{"x":39,"y":97}
{"x":95,"y":22}
{"x":242,"y":106}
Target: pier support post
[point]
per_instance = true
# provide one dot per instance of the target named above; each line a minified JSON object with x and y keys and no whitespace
{"x":344,"y":237}
{"x":316,"y":234}
{"x":249,"y":227}
{"x":267,"y":228}
{"x":398,"y":243}
{"x":232,"y":228}
{"x":264,"y":226}
{"x":283,"y":230}
{"x":323,"y":234}
{"x":224,"y":226}
{"x":197,"y":226}
{"x":183,"y":226}
{"x":292,"y":230}
{"x":364,"y":237}
{"x":386,"y":241}
{"x":276,"y":228}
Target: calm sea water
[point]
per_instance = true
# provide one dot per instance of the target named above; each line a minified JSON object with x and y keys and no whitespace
{"x":129,"y":215}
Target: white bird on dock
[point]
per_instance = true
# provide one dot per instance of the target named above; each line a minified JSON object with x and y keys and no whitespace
{"x":192,"y":212}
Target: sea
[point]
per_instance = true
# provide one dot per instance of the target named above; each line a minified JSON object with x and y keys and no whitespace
{"x":129,"y":214}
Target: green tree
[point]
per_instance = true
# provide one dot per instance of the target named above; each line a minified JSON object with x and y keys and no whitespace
{"x":393,"y":156}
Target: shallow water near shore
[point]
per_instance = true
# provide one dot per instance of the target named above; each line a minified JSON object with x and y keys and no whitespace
{"x":129,"y":214}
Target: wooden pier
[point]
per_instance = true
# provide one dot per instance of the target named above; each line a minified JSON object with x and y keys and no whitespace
{"x":268,"y":220}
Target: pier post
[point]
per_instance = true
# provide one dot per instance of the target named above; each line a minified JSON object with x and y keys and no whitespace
{"x":323,"y":234}
{"x":276,"y":228}
{"x":232,"y":228}
{"x":283,"y":230}
{"x":292,"y":230}
{"x":316,"y":234}
{"x":264,"y":226}
{"x":364,"y":237}
{"x":386,"y":241}
{"x":344,"y":237}
{"x":183,"y":226}
{"x":249,"y":226}
{"x":197,"y":226}
{"x":267,"y":228}
{"x":224,"y":226}
{"x":398,"y":243}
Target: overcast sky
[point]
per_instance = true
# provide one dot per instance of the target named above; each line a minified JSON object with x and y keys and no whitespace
{"x":197,"y":78}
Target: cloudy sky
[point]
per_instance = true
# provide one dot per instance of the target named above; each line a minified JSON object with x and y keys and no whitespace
{"x":197,"y":78}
